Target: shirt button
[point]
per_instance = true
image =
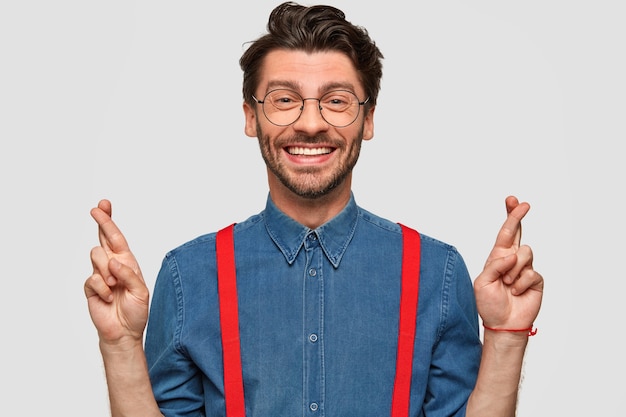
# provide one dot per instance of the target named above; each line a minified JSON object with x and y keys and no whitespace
{"x":312,"y":272}
{"x":313,"y":406}
{"x":313,"y":337}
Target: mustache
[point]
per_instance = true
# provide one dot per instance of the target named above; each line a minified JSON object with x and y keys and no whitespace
{"x":312,"y":140}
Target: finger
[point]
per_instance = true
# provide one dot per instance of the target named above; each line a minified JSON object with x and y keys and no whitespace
{"x":100,"y":263}
{"x":128,"y":278}
{"x":510,"y":203}
{"x":95,"y":286}
{"x":495,"y":270}
{"x":529,"y":279}
{"x":110,"y":236}
{"x":524,"y":260}
{"x":105,"y":206}
{"x":510,"y":233}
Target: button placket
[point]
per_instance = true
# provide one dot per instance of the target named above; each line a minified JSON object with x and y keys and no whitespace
{"x":313,"y":301}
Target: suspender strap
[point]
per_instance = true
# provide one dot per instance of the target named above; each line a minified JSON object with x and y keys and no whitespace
{"x":408,"y":317}
{"x":229,"y":322}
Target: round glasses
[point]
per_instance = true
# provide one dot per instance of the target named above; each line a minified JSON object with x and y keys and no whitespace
{"x":339,"y":108}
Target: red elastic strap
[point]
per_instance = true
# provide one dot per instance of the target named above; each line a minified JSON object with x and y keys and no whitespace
{"x":229,"y":322}
{"x":531,"y":331}
{"x":408,"y":317}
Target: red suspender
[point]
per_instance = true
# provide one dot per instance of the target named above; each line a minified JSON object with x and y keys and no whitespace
{"x":229,"y":321}
{"x":408,"y":316}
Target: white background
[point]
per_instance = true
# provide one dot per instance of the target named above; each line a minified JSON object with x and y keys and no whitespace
{"x":140,"y":102}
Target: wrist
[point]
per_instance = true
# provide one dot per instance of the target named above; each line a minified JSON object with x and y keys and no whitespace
{"x":120,"y":346}
{"x":528,"y":331}
{"x":501,"y":339}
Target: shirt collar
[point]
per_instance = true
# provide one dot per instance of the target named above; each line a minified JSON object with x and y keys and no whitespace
{"x":289,"y":235}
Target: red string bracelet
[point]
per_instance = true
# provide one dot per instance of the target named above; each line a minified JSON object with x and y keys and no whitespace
{"x":530,"y":330}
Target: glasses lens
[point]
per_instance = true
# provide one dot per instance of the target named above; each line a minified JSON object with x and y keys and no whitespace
{"x":282,"y":107}
{"x":339,"y":108}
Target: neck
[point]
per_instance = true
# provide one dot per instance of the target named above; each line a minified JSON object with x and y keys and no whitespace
{"x":310,"y":212}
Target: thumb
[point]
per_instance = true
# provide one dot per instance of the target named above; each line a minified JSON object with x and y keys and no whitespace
{"x":126,"y":277}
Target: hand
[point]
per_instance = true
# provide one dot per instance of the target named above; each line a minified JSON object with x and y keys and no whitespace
{"x":116,"y":293}
{"x":508,"y":290}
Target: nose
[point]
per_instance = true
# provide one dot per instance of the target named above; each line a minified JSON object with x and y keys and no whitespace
{"x":311,"y":119}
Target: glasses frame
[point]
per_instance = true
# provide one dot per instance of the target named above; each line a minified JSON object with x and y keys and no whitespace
{"x":319,"y":106}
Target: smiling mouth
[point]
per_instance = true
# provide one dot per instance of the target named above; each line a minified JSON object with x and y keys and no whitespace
{"x":297,"y":150}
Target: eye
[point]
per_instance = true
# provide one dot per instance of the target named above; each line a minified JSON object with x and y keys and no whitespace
{"x":338,"y":100}
{"x":284,"y":99}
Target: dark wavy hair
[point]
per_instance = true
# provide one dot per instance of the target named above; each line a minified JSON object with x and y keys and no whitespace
{"x":314,"y":29}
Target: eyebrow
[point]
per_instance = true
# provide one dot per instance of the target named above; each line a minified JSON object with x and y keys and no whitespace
{"x":324,"y":88}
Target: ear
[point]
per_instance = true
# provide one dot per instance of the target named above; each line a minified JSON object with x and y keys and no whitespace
{"x":251,"y":122}
{"x":368,"y":124}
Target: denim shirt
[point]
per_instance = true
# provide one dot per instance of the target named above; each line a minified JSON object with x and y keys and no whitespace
{"x":318,"y":316}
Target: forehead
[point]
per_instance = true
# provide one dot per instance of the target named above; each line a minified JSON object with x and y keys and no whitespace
{"x":309,"y":73}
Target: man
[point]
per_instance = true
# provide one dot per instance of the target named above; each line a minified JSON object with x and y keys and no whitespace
{"x":317,"y":324}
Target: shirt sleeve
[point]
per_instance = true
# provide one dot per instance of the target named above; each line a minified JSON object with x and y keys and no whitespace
{"x":457,"y":353}
{"x":176,"y":380}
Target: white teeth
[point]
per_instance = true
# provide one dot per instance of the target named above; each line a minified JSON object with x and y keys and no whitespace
{"x":308,"y":151}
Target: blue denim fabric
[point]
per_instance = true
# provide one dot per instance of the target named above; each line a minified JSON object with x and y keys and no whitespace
{"x":318,"y":321}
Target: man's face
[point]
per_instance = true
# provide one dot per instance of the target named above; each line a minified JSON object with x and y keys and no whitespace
{"x":310,"y":157}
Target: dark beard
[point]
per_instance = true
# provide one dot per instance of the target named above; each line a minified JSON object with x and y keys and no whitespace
{"x":303,"y":188}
